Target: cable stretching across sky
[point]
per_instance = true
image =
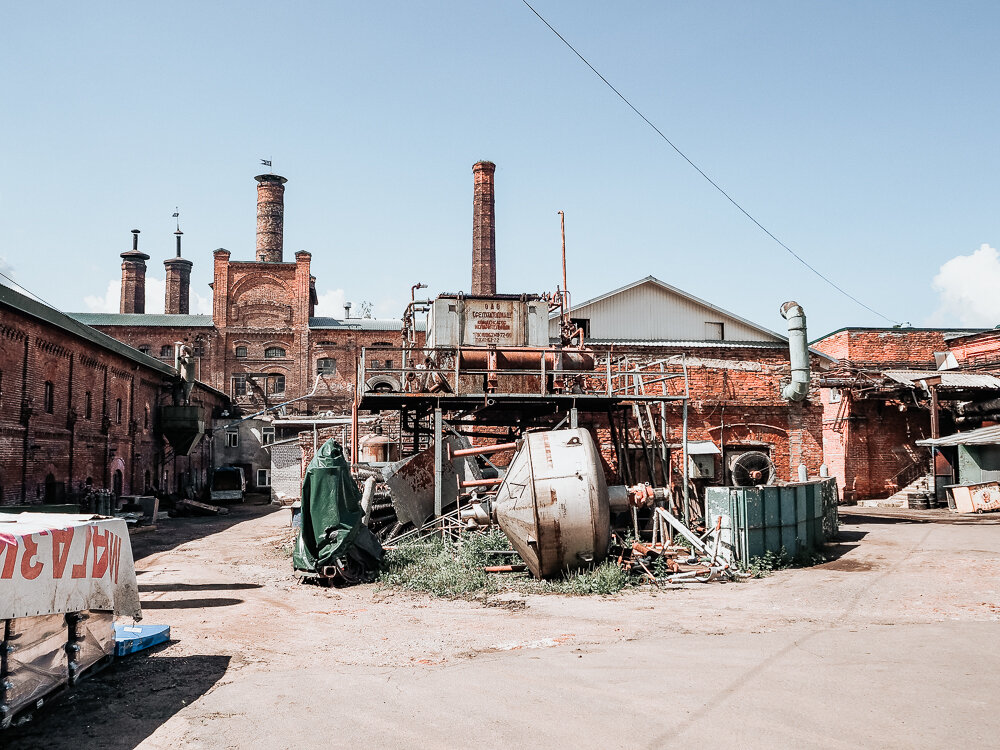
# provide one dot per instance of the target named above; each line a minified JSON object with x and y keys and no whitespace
{"x":700,"y":171}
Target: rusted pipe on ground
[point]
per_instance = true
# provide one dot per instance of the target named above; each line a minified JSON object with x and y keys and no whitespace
{"x":505,"y":568}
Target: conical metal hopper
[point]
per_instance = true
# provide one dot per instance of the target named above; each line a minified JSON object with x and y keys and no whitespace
{"x":553,"y":503}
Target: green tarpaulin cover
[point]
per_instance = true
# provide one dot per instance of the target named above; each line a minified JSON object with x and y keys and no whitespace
{"x":332,"y":515}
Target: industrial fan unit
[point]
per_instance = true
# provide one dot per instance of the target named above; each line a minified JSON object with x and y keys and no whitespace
{"x":752,"y":468}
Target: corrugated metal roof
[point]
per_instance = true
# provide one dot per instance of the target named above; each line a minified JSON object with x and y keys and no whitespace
{"x":687,"y":344}
{"x":40,"y":311}
{"x":361,"y":324}
{"x":982,"y":436}
{"x":949,"y":378}
{"x":140,"y":319}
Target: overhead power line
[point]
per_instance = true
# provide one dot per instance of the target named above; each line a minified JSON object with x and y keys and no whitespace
{"x":700,"y":171}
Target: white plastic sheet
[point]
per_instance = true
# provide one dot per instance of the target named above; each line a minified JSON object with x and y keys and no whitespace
{"x":54,"y":563}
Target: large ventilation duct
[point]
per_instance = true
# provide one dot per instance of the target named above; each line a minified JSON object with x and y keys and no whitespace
{"x":798,"y":351}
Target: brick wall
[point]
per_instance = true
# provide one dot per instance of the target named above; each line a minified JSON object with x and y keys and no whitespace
{"x":899,"y":348}
{"x":978,"y":350}
{"x":70,"y":410}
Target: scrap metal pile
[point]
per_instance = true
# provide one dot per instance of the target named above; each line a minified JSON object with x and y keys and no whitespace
{"x":552,"y":503}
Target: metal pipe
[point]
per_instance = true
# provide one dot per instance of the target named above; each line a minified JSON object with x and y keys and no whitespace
{"x":798,"y":352}
{"x":482,"y":482}
{"x":684,"y":445}
{"x":483,"y":449}
{"x":510,"y":358}
{"x":562,"y":229}
{"x":438,"y":465}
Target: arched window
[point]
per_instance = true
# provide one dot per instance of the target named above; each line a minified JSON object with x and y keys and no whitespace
{"x":241,"y":352}
{"x":166,"y":351}
{"x":118,"y":411}
{"x":49,"y":400}
{"x":145,"y":419}
{"x":274,"y":352}
{"x":326,"y":366}
{"x":145,"y":348}
{"x":88,"y":406}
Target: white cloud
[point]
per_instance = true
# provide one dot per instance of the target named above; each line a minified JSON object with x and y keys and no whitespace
{"x":109,"y":302}
{"x":967,"y":287}
{"x":330,"y":304}
{"x":155,"y":292}
{"x":6,"y":269}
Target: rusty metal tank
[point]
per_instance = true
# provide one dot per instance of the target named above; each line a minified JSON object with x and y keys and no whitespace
{"x":553,"y":502}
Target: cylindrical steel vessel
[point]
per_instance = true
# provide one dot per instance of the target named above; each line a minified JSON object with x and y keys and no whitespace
{"x":553,"y":503}
{"x":525,"y":359}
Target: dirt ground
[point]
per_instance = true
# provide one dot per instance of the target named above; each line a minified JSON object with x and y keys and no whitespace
{"x":893,"y":643}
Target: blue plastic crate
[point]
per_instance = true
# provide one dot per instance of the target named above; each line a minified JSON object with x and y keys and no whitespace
{"x":132,"y":638}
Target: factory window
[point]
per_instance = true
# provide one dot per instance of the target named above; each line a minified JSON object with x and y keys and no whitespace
{"x":198,"y":350}
{"x":326,"y":366}
{"x":232,"y":439}
{"x":274,"y":352}
{"x":714,"y":331}
{"x":239,"y":385}
{"x":241,"y":352}
{"x":166,"y":351}
{"x":267,"y":436}
{"x":145,"y":348}
{"x":835,"y":395}
{"x":263,"y":477}
{"x":275,"y":384}
{"x":583,"y":323}
{"x":88,"y":406}
{"x":118,"y":411}
{"x":327,"y":343}
{"x":49,"y":397}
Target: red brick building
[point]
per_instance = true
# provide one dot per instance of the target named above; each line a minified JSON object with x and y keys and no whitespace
{"x":262,"y":344}
{"x":871,"y":417}
{"x":78,"y":409}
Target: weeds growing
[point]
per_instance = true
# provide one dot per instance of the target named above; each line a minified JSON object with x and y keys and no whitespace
{"x":764,"y":565}
{"x":455,"y":570}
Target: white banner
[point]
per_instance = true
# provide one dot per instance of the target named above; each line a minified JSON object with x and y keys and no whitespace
{"x":54,"y":562}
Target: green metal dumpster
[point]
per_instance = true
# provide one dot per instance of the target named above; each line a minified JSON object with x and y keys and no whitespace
{"x":755,"y":520}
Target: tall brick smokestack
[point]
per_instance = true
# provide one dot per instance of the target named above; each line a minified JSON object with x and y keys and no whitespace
{"x":270,"y":217}
{"x":484,"y":239}
{"x":133,"y":298}
{"x":178,"y":292}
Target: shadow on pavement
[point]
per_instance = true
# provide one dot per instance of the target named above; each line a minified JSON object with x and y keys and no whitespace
{"x":219,"y":601}
{"x":120,"y":707}
{"x":176,"y":531}
{"x":198,"y":586}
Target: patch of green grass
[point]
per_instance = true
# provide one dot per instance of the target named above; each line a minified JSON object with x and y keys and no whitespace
{"x":455,"y":570}
{"x":764,"y":565}
{"x":605,"y":578}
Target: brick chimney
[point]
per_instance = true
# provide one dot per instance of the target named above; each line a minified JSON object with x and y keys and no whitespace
{"x":484,"y":241}
{"x":270,"y":217}
{"x":133,"y":298}
{"x":178,"y":293}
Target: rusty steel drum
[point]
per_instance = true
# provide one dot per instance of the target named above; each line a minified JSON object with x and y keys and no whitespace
{"x":553,"y":502}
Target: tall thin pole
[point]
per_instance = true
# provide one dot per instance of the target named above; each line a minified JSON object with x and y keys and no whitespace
{"x":684,"y":442}
{"x":562,"y":229}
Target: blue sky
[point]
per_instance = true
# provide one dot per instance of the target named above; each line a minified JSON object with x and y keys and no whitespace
{"x":862,"y":134}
